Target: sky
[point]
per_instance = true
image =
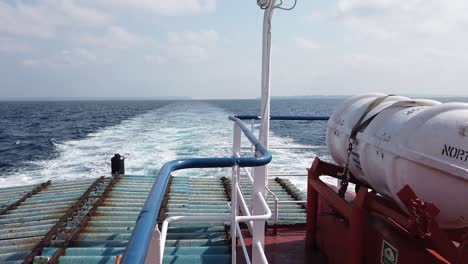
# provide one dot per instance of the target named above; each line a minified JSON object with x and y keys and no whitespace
{"x":209,"y":49}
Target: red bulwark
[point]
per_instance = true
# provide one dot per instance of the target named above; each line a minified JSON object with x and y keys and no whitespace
{"x":362,"y":228}
{"x":370,"y":229}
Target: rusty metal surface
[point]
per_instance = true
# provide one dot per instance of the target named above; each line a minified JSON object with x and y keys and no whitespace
{"x":227,"y":187}
{"x":26,"y":224}
{"x":88,"y":206}
{"x":62,"y":221}
{"x":102,"y":217}
{"x":15,"y":204}
{"x":163,"y":210}
{"x":104,"y":233}
{"x":286,"y":185}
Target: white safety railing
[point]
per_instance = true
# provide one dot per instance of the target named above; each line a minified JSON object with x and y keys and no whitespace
{"x":248,"y":173}
{"x":237,"y":201}
{"x":248,"y":216}
{"x":241,"y":210}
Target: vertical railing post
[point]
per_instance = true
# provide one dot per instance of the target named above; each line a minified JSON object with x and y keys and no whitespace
{"x":155,"y":252}
{"x":236,"y":150}
{"x":234,"y":211}
{"x":252,"y":147}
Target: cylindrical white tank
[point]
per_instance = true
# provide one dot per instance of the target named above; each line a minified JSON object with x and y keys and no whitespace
{"x":422,"y":143}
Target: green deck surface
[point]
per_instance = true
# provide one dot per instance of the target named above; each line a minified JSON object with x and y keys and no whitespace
{"x":107,"y":232}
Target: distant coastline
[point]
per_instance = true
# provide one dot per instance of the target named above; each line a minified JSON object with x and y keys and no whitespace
{"x":184,"y":98}
{"x":58,"y":99}
{"x":309,"y":96}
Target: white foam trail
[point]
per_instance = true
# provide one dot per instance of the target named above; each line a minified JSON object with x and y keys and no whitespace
{"x":179,"y":130}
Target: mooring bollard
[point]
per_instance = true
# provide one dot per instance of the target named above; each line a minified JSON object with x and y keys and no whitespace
{"x":118,"y":164}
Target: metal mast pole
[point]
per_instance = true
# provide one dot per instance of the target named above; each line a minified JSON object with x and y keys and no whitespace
{"x":261,"y":173}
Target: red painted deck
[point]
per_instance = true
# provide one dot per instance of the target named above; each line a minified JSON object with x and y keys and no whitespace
{"x":288,"y":246}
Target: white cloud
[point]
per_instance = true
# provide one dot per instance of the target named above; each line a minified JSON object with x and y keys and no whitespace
{"x":9,"y":44}
{"x":84,"y":14}
{"x":42,"y":19}
{"x":164,"y":7}
{"x":208,"y":37}
{"x":29,"y":62}
{"x":191,"y":45}
{"x":114,"y":37}
{"x":305,"y":43}
{"x":394,"y":18}
{"x":155,"y":59}
{"x":26,"y":20}
{"x":362,"y":59}
{"x":70,"y":58}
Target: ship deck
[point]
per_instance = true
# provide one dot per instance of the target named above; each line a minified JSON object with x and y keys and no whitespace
{"x":91,"y":221}
{"x":286,"y":246}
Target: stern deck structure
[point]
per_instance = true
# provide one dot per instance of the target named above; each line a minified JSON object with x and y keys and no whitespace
{"x":91,"y":221}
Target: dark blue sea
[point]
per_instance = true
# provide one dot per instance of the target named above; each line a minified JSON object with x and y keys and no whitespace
{"x":76,"y":139}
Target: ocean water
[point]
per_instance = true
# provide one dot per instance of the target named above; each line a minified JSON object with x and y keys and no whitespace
{"x":70,"y":140}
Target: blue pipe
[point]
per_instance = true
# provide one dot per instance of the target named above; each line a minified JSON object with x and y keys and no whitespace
{"x":139,"y":241}
{"x":274,"y":117}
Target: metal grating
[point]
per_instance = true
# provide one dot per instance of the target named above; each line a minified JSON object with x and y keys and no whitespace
{"x":289,"y":213}
{"x":197,"y":242}
{"x":9,"y":195}
{"x":105,"y":235}
{"x":90,"y":221}
{"x":23,"y":227}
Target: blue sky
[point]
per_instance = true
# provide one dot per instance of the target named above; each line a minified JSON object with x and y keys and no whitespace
{"x":211,"y":48}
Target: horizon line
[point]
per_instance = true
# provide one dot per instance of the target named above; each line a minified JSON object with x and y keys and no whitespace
{"x":183,"y":98}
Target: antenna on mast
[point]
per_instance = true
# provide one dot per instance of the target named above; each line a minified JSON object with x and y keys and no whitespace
{"x":268,"y":6}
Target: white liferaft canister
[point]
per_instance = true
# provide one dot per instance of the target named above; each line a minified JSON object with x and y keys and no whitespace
{"x":420,"y":143}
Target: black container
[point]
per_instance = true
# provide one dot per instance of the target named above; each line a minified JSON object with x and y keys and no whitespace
{"x":118,"y":164}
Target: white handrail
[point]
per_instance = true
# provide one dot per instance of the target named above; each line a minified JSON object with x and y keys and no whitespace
{"x":171,"y":219}
{"x":262,"y":253}
{"x":244,"y":248}
{"x":215,"y":218}
{"x":244,"y":207}
{"x":241,"y":239}
{"x":265,"y":216}
{"x":276,"y":209}
{"x":249,"y":175}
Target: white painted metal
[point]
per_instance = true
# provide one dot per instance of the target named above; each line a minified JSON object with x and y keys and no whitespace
{"x":259,"y":249}
{"x":259,"y":217}
{"x":167,"y":221}
{"x":241,"y":239}
{"x":244,"y":208}
{"x":234,"y":210}
{"x":244,"y":248}
{"x":276,"y":206}
{"x":261,"y":173}
{"x":154,"y":254}
{"x":419,"y":143}
{"x":215,"y":218}
{"x":252,"y":147}
{"x":249,"y":175}
{"x":236,"y":146}
{"x":258,"y":229}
